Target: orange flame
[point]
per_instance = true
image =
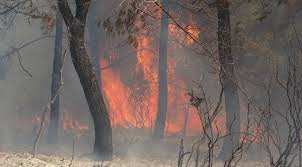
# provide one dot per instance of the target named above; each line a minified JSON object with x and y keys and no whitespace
{"x":125,"y":112}
{"x":69,"y":123}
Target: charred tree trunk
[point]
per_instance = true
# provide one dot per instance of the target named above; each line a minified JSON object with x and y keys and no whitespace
{"x":76,"y":27}
{"x":56,"y":82}
{"x":228,"y":78}
{"x":162,"y":72}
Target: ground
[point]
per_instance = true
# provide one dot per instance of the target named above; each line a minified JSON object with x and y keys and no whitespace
{"x":26,"y":160}
{"x":130,"y":150}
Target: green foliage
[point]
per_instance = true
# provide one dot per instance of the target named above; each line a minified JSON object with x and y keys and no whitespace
{"x":263,"y":9}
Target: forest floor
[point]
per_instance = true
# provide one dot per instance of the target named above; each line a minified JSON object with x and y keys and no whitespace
{"x":133,"y":150}
{"x":26,"y":160}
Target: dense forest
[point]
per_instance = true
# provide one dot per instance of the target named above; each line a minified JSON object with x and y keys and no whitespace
{"x":151,"y":83}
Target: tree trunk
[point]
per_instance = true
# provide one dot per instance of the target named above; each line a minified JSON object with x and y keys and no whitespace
{"x":2,"y":70}
{"x":232,"y":107}
{"x":76,"y":25}
{"x":81,"y":61}
{"x":5,"y":61}
{"x":56,"y":82}
{"x":162,"y":72}
{"x":93,"y":35}
{"x":187,"y":113}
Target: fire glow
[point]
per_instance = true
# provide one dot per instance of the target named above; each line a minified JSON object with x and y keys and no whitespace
{"x":68,"y":122}
{"x":129,"y":107}
{"x":136,"y":106}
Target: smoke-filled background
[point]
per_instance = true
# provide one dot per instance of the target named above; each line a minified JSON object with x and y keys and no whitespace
{"x":129,"y":71}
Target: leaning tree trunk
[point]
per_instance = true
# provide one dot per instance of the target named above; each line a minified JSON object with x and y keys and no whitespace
{"x":56,"y":82}
{"x":162,"y":72}
{"x":232,"y":107}
{"x":76,"y":26}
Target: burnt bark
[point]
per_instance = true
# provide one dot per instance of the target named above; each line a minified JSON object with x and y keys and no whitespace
{"x":76,"y":27}
{"x":228,"y":79}
{"x":56,"y":82}
{"x":162,"y":73}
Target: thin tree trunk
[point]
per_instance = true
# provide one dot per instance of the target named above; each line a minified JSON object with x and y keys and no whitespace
{"x":187,"y":113}
{"x":2,"y":70}
{"x":4,"y":64}
{"x":93,"y":42}
{"x":162,"y":72}
{"x":76,"y":25}
{"x":55,"y":84}
{"x":232,"y":107}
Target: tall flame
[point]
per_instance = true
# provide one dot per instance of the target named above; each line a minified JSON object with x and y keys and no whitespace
{"x":122,"y":99}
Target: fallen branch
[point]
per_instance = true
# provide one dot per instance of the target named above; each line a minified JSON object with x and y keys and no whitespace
{"x":40,"y":131}
{"x":22,"y":66}
{"x":47,"y":108}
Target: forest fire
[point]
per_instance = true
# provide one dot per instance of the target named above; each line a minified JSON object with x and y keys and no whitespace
{"x":68,"y":122}
{"x":136,"y":106}
{"x":184,"y":38}
{"x":150,"y":83}
{"x":71,"y":124}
